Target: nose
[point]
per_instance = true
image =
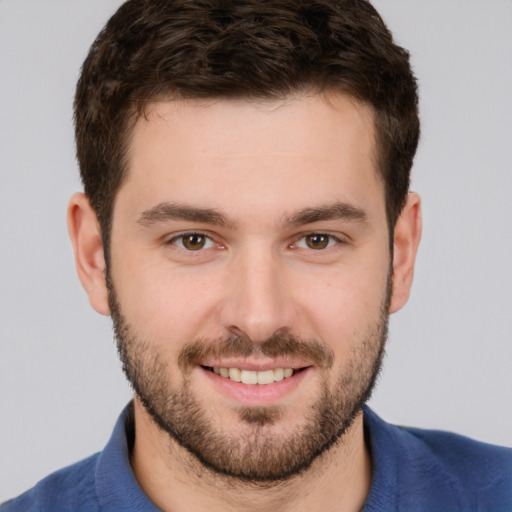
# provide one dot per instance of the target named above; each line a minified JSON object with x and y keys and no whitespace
{"x":258,"y":301}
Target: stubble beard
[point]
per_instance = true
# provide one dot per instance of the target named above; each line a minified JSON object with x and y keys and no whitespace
{"x":255,"y":453}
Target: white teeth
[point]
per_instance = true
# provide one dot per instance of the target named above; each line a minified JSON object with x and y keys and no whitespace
{"x":235,"y":374}
{"x":249,"y":377}
{"x":265,"y":377}
{"x":278,"y":374}
{"x":254,"y":377}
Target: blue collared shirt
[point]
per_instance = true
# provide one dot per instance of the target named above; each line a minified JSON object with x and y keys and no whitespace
{"x":413,"y":470}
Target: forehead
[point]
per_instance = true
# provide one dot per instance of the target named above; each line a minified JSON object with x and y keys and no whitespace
{"x":221,"y":153}
{"x":315,"y":118}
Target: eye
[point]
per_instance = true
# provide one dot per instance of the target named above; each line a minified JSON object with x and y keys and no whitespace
{"x":317,"y":241}
{"x":192,"y":241}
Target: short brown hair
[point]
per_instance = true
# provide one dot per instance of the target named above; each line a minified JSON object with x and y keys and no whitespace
{"x":153,"y":49}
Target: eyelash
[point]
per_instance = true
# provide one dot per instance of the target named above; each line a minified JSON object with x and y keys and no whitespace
{"x":332,"y":240}
{"x":179,"y":239}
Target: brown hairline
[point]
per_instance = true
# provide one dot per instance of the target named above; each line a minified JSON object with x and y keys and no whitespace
{"x":343,"y":46}
{"x":138,"y":110}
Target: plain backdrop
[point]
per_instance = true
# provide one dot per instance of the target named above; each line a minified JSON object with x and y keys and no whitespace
{"x":449,"y":355}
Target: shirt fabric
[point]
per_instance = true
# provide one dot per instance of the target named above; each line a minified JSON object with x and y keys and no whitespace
{"x":413,"y":470}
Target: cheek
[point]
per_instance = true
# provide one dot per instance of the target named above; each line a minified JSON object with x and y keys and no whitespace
{"x":343,"y":305}
{"x":164,"y":304}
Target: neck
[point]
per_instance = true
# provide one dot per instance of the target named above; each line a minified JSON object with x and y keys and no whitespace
{"x":175,"y":480}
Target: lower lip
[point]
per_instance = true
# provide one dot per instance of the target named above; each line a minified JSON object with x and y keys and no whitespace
{"x":256,"y":394}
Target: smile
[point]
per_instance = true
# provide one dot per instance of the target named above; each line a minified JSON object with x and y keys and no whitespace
{"x":251,"y":377}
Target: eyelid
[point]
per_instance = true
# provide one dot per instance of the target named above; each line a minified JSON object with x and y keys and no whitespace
{"x":178,"y":236}
{"x":335,"y":238}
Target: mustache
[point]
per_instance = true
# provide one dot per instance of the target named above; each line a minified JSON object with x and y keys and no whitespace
{"x":278,"y":345}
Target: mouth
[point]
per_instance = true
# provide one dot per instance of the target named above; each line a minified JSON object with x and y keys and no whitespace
{"x":254,"y":377}
{"x":256,"y":383}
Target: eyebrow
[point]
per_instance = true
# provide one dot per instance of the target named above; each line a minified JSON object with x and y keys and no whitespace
{"x":334,"y":211}
{"x":165,"y":212}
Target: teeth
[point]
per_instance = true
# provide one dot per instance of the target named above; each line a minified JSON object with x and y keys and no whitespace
{"x":235,"y":374}
{"x":265,"y":377}
{"x":278,"y":374}
{"x":251,"y":377}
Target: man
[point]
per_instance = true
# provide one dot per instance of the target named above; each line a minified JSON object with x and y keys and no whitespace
{"x":247,"y":224}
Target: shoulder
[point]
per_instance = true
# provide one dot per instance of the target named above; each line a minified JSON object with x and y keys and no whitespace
{"x":70,"y":488}
{"x":467,"y":456}
{"x":483,"y":468}
{"x":433,"y":468}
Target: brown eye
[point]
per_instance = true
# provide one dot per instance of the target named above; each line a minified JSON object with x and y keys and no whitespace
{"x":317,"y":241}
{"x":193,"y":241}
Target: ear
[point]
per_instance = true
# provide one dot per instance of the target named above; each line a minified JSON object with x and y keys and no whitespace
{"x":406,"y":240}
{"x":85,"y":234}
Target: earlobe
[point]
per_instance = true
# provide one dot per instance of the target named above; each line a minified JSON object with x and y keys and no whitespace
{"x":407,"y":236}
{"x":85,"y":234}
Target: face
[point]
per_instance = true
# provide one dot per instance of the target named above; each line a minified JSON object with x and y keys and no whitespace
{"x":249,"y":276}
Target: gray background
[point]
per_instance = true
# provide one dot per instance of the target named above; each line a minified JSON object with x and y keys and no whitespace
{"x":449,"y":357}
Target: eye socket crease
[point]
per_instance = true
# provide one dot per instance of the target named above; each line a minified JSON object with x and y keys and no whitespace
{"x":196,"y":241}
{"x":317,"y":241}
{"x":193,"y":241}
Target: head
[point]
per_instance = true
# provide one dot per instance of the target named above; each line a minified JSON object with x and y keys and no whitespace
{"x":246,"y":167}
{"x":152,"y":50}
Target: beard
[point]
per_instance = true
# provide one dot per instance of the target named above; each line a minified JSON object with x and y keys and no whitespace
{"x":255,"y":453}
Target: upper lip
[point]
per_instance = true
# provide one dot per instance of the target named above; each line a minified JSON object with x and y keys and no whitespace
{"x":256,"y":364}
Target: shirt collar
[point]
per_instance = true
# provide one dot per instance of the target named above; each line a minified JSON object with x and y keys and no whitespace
{"x":117,"y":489}
{"x":116,"y":486}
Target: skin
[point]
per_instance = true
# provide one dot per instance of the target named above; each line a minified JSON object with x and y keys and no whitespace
{"x":257,"y":163}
